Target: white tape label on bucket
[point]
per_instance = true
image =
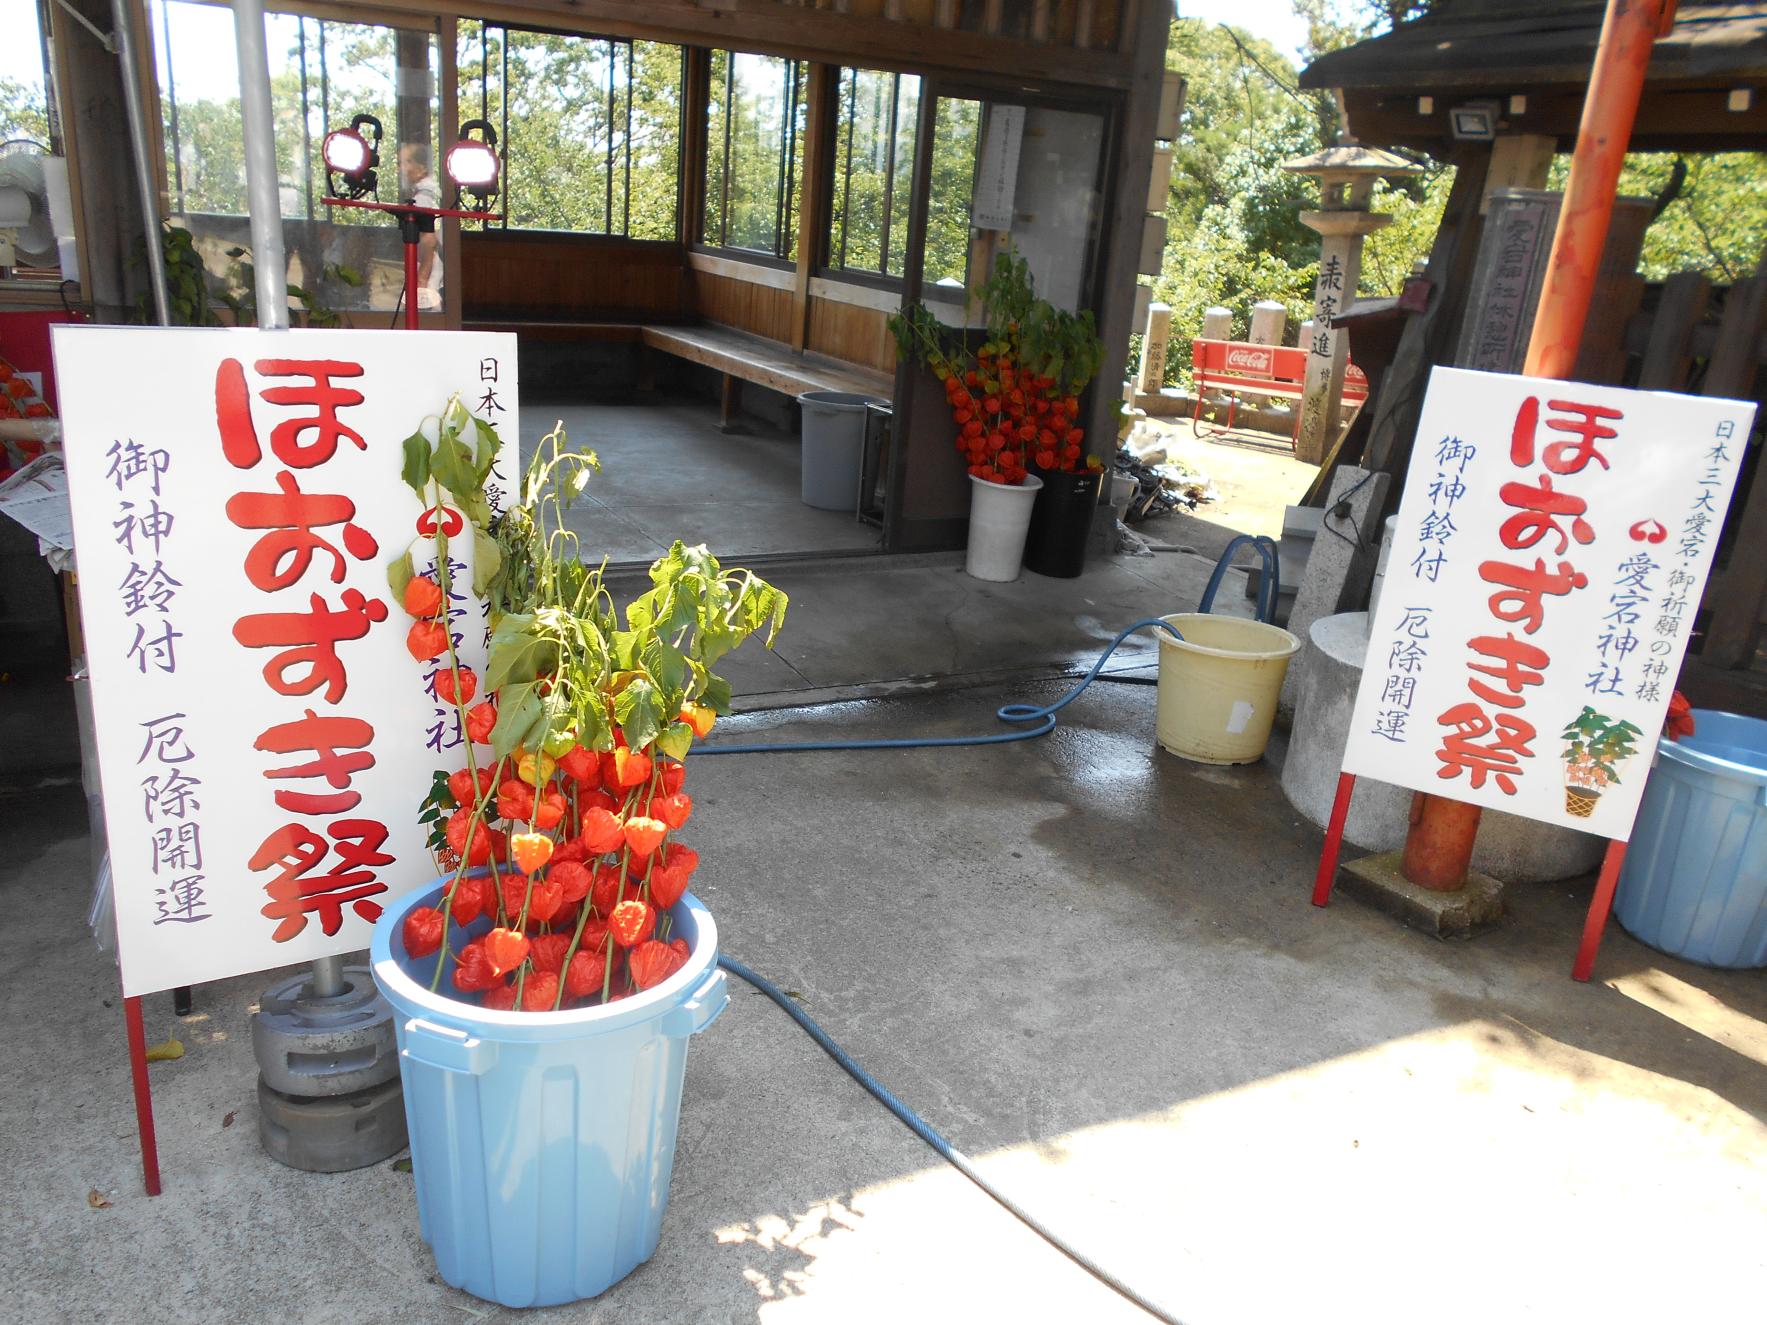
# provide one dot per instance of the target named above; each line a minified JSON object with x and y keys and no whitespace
{"x":1239,"y":717}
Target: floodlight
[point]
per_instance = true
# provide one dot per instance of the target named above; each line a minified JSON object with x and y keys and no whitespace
{"x":472,"y":162}
{"x":352,"y":154}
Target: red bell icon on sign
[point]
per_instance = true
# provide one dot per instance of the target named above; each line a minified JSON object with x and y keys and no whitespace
{"x":1649,"y":531}
{"x":451,"y":522}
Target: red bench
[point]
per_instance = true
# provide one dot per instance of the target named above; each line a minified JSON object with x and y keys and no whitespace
{"x":1240,"y":367}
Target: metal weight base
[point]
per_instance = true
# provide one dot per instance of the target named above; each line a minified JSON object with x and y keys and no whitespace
{"x":335,"y":1133}
{"x":316,"y":1047}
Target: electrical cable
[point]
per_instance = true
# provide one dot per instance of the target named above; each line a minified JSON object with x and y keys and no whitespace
{"x":921,"y":1128}
{"x":1341,"y":509}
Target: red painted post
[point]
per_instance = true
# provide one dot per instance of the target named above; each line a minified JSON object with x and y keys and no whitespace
{"x":1599,"y":906}
{"x":410,"y":285}
{"x":150,"y":1155}
{"x":1439,"y":847}
{"x":1334,"y":839}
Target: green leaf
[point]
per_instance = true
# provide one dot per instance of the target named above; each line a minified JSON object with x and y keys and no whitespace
{"x":416,"y":470}
{"x":667,"y":665}
{"x":717,"y":694}
{"x":452,"y":467}
{"x":487,"y":560}
{"x":639,"y":710}
{"x":488,"y":445}
{"x":519,"y":716}
{"x":400,"y":574}
{"x":519,"y":659}
{"x":675,"y":741}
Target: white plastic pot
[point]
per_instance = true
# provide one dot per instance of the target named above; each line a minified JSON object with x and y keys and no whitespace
{"x":999,"y":517}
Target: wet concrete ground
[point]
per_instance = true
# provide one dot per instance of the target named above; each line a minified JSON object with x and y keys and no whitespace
{"x":1095,"y":968}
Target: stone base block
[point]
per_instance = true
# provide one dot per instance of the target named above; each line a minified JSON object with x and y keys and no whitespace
{"x":1457,"y":915}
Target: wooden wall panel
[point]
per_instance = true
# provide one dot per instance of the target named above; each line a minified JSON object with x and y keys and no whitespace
{"x":847,"y":331}
{"x":1106,"y":19}
{"x":572,"y":278}
{"x":762,"y":309}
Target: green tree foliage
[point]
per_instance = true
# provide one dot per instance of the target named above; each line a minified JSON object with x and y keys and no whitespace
{"x":585,"y":115}
{"x":23,"y":113}
{"x":1715,"y":224}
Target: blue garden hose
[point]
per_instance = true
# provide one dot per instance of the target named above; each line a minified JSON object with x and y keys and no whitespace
{"x":918,"y":1125}
{"x":1042,"y":715}
{"x":1043,"y":718}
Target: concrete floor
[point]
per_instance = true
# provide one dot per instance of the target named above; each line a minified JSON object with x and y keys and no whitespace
{"x":1092,"y":965}
{"x":668,"y":473}
{"x":1095,"y":967}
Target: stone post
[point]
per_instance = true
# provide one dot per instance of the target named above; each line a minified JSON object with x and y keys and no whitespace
{"x":1217,"y":323}
{"x":1153,"y":349}
{"x":1269,"y":320}
{"x":1340,"y":266}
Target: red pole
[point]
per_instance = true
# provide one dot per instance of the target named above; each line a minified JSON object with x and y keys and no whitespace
{"x":1334,"y":839}
{"x":411,"y":285}
{"x":1438,"y":849}
{"x":150,"y":1155}
{"x":1599,"y":906}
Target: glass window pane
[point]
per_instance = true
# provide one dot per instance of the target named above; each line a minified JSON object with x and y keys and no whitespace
{"x":755,"y":127}
{"x":24,"y":100}
{"x":593,"y":127}
{"x":322,"y":73}
{"x":655,"y":139}
{"x":759,"y":90}
{"x":953,"y":184}
{"x":874,"y":156}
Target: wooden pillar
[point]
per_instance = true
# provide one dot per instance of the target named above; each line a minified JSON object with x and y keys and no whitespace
{"x":1736,"y":605}
{"x":695,"y":91}
{"x":813,"y":207}
{"x":1125,"y":200}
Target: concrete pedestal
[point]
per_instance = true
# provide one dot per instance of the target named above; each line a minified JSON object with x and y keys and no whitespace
{"x":1510,"y":848}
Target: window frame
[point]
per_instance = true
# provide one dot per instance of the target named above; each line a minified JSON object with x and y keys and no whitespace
{"x":503,"y":227}
{"x":782,"y":256}
{"x":824,"y":265}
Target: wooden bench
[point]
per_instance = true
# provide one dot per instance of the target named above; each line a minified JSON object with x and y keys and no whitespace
{"x":1239,"y":367}
{"x":742,"y":357}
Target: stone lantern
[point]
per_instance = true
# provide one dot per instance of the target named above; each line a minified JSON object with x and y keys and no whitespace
{"x":1346,"y":173}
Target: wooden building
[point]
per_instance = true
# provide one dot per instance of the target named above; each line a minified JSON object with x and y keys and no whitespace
{"x":1495,"y":87}
{"x":806,"y":150}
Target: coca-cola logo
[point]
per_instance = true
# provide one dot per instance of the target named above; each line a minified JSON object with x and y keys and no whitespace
{"x":1257,"y":359}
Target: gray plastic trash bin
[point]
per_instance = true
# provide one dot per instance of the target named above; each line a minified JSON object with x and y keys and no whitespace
{"x":834,"y":443}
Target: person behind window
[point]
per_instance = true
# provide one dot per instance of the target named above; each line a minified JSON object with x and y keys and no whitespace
{"x":418,"y":184}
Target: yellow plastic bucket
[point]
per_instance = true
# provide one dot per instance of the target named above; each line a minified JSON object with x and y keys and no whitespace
{"x":1218,"y":686}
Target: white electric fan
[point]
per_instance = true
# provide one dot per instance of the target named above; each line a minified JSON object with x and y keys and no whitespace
{"x":27,"y":232}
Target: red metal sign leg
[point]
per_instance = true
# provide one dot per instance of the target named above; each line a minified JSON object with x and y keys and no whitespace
{"x":1334,"y":839}
{"x":411,"y":286}
{"x":150,"y":1158}
{"x":1599,"y":906}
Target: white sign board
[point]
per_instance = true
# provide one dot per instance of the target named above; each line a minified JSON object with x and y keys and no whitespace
{"x":1548,"y":561}
{"x":265,"y":739}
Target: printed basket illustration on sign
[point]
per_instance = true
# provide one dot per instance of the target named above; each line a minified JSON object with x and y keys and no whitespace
{"x":1595,"y":748}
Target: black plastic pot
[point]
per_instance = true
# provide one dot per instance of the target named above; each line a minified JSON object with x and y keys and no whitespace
{"x":1061,"y":522}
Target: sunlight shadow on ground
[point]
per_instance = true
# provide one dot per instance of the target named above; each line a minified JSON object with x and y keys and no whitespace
{"x":1422,"y":1158}
{"x":1697,"y":1010}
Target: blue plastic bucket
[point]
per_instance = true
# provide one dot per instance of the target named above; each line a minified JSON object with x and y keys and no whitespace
{"x":1695,"y":879}
{"x":542,"y":1142}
